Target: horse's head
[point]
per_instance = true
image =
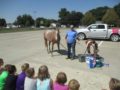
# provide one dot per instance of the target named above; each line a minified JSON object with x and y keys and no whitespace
{"x":57,"y":33}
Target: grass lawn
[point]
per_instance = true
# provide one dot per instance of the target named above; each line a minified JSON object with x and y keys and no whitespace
{"x":5,"y":30}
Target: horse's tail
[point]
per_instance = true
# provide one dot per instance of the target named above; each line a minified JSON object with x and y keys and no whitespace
{"x":46,"y":44}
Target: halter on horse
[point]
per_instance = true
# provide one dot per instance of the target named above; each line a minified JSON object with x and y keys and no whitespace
{"x":52,"y":36}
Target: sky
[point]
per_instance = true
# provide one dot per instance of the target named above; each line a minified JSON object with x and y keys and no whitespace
{"x":10,"y":9}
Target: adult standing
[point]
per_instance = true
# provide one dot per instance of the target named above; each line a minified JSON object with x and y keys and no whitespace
{"x":71,"y":37}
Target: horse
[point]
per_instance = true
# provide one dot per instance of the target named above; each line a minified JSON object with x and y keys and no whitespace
{"x":52,"y":36}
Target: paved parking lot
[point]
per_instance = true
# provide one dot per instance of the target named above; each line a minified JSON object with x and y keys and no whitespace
{"x":18,"y":48}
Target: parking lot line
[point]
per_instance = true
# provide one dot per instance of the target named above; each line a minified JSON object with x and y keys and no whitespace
{"x":100,"y":43}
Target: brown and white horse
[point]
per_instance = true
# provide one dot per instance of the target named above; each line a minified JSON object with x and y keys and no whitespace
{"x":52,"y":36}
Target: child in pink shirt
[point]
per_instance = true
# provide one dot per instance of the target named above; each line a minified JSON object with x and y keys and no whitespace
{"x":59,"y":84}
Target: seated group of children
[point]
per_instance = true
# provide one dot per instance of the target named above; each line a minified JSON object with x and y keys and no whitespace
{"x":26,"y":80}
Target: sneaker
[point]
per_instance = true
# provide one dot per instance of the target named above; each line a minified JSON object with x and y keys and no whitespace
{"x":68,"y":58}
{"x":72,"y":58}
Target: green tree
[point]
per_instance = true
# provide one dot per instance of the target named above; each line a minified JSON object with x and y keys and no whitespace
{"x":40,"y":21}
{"x":15,"y":23}
{"x":88,"y":19}
{"x":24,"y":20}
{"x":99,"y":12}
{"x":47,"y":22}
{"x":74,"y":18}
{"x":2,"y":22}
{"x":63,"y":13}
{"x":117,"y":9}
{"x":111,"y":17}
{"x":19,"y":21}
{"x":68,"y":18}
{"x":27,"y":20}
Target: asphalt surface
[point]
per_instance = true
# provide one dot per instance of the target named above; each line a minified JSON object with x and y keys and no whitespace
{"x":20,"y":47}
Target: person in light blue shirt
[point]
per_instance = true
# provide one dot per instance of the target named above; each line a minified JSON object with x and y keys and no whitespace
{"x":44,"y":82}
{"x":71,"y":37}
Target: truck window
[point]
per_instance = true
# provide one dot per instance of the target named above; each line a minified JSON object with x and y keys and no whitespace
{"x":93,"y":27}
{"x":101,"y":27}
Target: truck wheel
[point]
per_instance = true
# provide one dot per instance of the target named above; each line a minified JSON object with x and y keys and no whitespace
{"x":114,"y":37}
{"x":81,"y":36}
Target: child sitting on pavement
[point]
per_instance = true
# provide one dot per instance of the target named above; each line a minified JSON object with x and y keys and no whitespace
{"x":30,"y":80}
{"x":44,"y":82}
{"x":114,"y":84}
{"x":21,"y":77}
{"x":73,"y":84}
{"x":59,"y":84}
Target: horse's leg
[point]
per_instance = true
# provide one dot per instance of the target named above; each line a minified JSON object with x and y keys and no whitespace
{"x":58,"y":45}
{"x":49,"y":47}
{"x":46,"y":43}
{"x":52,"y":49}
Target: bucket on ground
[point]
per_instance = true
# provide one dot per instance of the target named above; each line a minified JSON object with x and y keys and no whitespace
{"x":82,"y":58}
{"x":90,"y":60}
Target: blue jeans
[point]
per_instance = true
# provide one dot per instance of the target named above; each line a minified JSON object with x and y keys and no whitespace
{"x":71,"y":46}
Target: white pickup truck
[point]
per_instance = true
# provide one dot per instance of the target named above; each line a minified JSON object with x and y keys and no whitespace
{"x":99,"y":31}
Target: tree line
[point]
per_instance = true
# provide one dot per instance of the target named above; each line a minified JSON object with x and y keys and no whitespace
{"x":104,"y":14}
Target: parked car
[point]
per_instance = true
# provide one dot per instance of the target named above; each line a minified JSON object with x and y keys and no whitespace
{"x":42,"y":27}
{"x":99,"y":31}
